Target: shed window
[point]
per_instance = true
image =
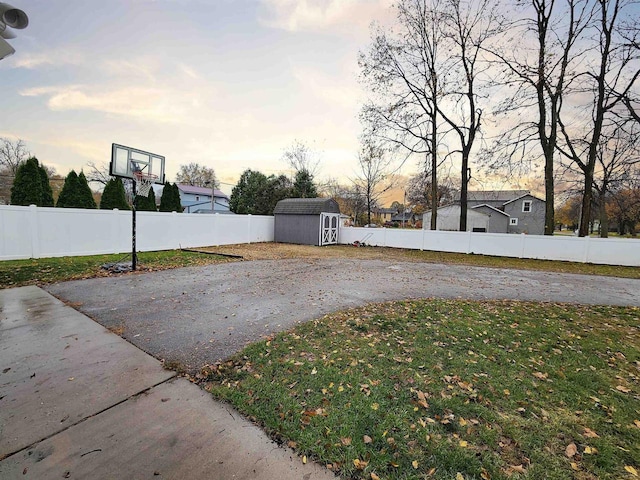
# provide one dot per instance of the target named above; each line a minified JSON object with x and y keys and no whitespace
{"x":526,"y":206}
{"x":513,"y":221}
{"x":197,"y":198}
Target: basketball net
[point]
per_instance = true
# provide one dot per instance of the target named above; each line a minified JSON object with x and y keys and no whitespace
{"x":143,"y":182}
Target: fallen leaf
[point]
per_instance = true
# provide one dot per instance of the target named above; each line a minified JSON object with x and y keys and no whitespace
{"x":367,"y":439}
{"x":345,"y":441}
{"x":459,"y":476}
{"x":314,"y":371}
{"x":623,"y":389}
{"x":304,"y":459}
{"x":484,"y":475}
{"x":590,"y":433}
{"x":431,"y":472}
{"x":375,"y":406}
{"x":374,"y":476}
{"x":464,"y":444}
{"x":516,"y":468}
{"x":571,"y":450}
{"x":575,"y":466}
{"x":590,"y":450}
{"x":631,"y":470}
{"x":637,"y":423}
{"x":360,"y":464}
{"x":415,"y":464}
{"x":540,"y":375}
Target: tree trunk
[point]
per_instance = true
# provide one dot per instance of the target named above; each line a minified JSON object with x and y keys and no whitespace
{"x":549,"y":196}
{"x":463,"y":193}
{"x":434,"y":179}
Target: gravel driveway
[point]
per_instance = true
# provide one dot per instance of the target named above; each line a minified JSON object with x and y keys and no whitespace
{"x":199,"y":315}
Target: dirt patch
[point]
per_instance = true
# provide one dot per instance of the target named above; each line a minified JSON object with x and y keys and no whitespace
{"x":280,"y":251}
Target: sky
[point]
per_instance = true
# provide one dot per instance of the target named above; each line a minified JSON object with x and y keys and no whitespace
{"x":229,"y":84}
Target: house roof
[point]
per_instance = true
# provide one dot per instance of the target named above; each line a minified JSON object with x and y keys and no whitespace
{"x":306,"y":206}
{"x":200,"y":190}
{"x":493,"y":195}
{"x":522,"y":196}
{"x":490,"y":207}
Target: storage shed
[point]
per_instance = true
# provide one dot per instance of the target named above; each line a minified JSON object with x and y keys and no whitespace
{"x":307,"y":221}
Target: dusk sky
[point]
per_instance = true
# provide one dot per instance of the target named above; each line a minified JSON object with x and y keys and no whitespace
{"x":229,"y":84}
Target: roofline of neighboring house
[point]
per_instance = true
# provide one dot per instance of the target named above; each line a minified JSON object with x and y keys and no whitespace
{"x":522,"y":196}
{"x":201,"y":191}
{"x":492,"y":208}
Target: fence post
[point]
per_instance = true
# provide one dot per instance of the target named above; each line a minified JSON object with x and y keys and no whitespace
{"x":35,"y":234}
{"x":423,"y":239}
{"x":523,"y":246}
{"x":249,"y":228}
{"x":469,"y":243}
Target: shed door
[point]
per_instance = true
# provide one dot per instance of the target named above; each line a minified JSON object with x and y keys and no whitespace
{"x":329,"y":224}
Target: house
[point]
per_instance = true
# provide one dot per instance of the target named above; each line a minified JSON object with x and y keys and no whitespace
{"x":407,"y":217}
{"x":198,"y":199}
{"x":494,"y":211}
{"x":307,"y":221}
{"x":448,"y":218}
{"x":493,"y":198}
{"x":526,"y":214}
{"x":384,"y":214}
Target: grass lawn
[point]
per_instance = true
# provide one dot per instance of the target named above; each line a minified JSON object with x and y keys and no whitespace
{"x":448,"y":389}
{"x":15,"y":273}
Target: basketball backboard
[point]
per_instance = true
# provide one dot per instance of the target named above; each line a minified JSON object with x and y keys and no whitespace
{"x":126,"y":161}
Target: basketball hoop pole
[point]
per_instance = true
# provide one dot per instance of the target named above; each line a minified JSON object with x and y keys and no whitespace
{"x":134,"y":256}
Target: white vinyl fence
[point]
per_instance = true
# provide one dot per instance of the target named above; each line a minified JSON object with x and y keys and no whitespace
{"x":40,"y":232}
{"x":608,"y":251}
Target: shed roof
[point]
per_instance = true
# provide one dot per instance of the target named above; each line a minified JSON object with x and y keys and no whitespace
{"x":306,"y":206}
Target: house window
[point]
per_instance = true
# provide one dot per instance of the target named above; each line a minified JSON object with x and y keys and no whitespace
{"x":197,"y":198}
{"x":513,"y":221}
{"x":526,"y":206}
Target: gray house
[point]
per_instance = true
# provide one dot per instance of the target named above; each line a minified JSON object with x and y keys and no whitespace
{"x":498,"y":220}
{"x":495,"y":211}
{"x":307,"y":221}
{"x":526,"y":214}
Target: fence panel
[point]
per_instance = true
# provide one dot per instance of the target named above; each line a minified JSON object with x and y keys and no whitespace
{"x":38,"y":232}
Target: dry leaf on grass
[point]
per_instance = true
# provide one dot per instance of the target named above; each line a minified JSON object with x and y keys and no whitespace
{"x":571,"y":450}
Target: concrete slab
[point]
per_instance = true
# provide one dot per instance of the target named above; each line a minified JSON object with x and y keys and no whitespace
{"x":173,"y":431}
{"x":58,"y":368}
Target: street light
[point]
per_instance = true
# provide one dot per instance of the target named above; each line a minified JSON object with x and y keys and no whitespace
{"x":10,"y":17}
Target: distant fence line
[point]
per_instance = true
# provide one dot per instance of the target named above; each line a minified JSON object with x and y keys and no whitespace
{"x":607,"y":251}
{"x":40,"y":232}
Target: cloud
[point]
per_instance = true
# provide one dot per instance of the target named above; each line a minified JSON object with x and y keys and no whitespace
{"x":147,"y":103}
{"x":319,"y":15}
{"x":59,"y":57}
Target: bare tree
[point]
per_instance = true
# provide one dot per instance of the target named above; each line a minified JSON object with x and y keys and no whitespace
{"x":373,"y":178}
{"x":98,"y":173}
{"x":404,"y":73}
{"x":541,"y":75}
{"x":197,"y":175}
{"x":611,"y":73}
{"x":301,"y":157}
{"x":419,"y":191}
{"x":12,"y":155}
{"x":468,"y":26}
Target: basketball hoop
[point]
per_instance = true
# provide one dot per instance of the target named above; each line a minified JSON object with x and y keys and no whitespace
{"x":143,"y":182}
